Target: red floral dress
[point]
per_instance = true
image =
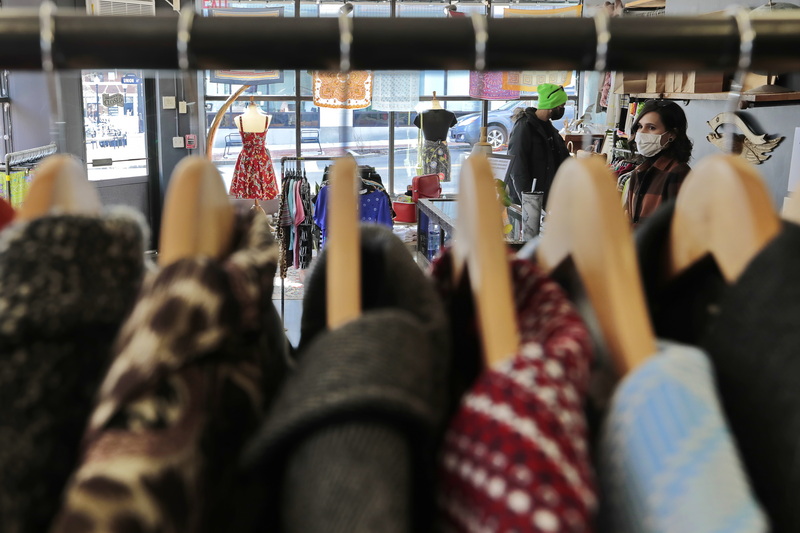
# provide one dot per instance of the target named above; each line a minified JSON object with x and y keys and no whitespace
{"x":254,"y":176}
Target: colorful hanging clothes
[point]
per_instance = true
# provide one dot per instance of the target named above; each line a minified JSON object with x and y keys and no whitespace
{"x":342,"y":90}
{"x":20,"y":182}
{"x":295,"y":222}
{"x":254,"y":175}
{"x":515,"y":456}
{"x":198,"y":363}
{"x":667,"y":460}
{"x":374,"y":207}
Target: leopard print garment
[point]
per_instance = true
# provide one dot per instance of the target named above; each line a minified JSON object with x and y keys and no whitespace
{"x":196,"y":363}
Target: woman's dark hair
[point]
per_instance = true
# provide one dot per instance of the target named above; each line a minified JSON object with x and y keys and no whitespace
{"x":674,"y":120}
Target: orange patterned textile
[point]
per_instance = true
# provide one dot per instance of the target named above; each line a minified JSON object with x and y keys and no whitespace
{"x":343,"y":90}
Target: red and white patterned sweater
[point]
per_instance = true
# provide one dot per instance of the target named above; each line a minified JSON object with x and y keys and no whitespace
{"x":515,"y":455}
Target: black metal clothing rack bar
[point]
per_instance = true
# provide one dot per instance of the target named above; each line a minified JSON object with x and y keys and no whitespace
{"x":300,"y":159}
{"x":31,"y":155}
{"x":23,"y":160}
{"x":81,"y":41}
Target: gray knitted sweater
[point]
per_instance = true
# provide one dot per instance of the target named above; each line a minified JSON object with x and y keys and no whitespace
{"x":350,"y":442}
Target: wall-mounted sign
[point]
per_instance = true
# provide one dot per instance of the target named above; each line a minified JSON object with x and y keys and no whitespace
{"x":215,"y":4}
{"x":113,"y":100}
{"x":130,"y":78}
{"x":191,"y":141}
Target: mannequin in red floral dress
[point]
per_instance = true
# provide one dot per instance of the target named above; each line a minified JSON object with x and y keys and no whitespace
{"x":254,"y":175}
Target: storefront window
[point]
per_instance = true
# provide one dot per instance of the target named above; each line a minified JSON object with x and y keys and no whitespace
{"x":114,"y":124}
{"x":379,"y":135}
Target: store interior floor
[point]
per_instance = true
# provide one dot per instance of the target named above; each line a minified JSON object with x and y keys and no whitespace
{"x":287,"y":295}
{"x":291,"y":315}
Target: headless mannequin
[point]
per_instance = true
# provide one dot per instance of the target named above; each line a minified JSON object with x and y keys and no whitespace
{"x":253,"y":121}
{"x":436,"y":122}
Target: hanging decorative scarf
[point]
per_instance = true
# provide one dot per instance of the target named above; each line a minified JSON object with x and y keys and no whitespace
{"x":489,"y":86}
{"x":395,"y":91}
{"x":527,"y":81}
{"x":246,"y":77}
{"x":486,"y":85}
{"x":343,"y":90}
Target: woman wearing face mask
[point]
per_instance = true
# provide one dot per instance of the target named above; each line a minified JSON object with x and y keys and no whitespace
{"x":660,"y":136}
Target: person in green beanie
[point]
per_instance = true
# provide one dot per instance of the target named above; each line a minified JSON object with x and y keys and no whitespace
{"x":537,"y":147}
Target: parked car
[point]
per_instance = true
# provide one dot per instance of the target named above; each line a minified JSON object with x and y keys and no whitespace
{"x":499,"y":124}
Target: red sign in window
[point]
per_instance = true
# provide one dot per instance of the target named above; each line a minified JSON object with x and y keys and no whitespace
{"x":214,"y":4}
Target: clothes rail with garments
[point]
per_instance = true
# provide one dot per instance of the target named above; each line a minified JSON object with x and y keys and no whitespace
{"x":602,"y":379}
{"x":658,"y":43}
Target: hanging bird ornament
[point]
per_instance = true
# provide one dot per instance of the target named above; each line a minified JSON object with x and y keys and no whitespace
{"x":753,"y":147}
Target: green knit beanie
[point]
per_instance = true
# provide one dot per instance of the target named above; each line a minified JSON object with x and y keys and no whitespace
{"x":551,"y":96}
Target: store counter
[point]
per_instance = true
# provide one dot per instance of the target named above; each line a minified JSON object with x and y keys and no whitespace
{"x":443,"y":211}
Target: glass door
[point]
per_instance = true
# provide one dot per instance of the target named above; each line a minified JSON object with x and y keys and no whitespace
{"x":114,"y":124}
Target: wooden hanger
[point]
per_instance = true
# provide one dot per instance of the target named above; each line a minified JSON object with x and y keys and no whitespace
{"x":585,"y":221}
{"x":480,"y":246}
{"x":60,"y":185}
{"x":198,"y":216}
{"x":724,"y":209}
{"x":342,"y":247}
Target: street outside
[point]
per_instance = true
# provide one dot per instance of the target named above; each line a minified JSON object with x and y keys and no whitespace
{"x":130,"y":162}
{"x":373,"y":153}
{"x":116,"y":138}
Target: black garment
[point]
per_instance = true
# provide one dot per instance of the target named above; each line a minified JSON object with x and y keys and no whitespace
{"x":66,"y":284}
{"x":682,"y":309}
{"x":367,"y":172}
{"x":350,"y":444}
{"x":538,"y":151}
{"x":751,"y":332}
{"x":370,"y":173}
{"x":754,"y":347}
{"x":436,"y":123}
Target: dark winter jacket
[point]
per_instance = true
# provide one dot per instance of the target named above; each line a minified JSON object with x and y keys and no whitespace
{"x":66,"y":283}
{"x":350,"y":444}
{"x":538,"y":151}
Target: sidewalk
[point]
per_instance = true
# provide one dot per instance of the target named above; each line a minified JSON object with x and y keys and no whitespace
{"x":328,"y":149}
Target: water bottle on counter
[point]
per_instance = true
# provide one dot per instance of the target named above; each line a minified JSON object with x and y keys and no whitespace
{"x":434,"y":239}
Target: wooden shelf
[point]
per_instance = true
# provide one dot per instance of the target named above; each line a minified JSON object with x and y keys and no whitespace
{"x":752,"y":98}
{"x":647,"y":4}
